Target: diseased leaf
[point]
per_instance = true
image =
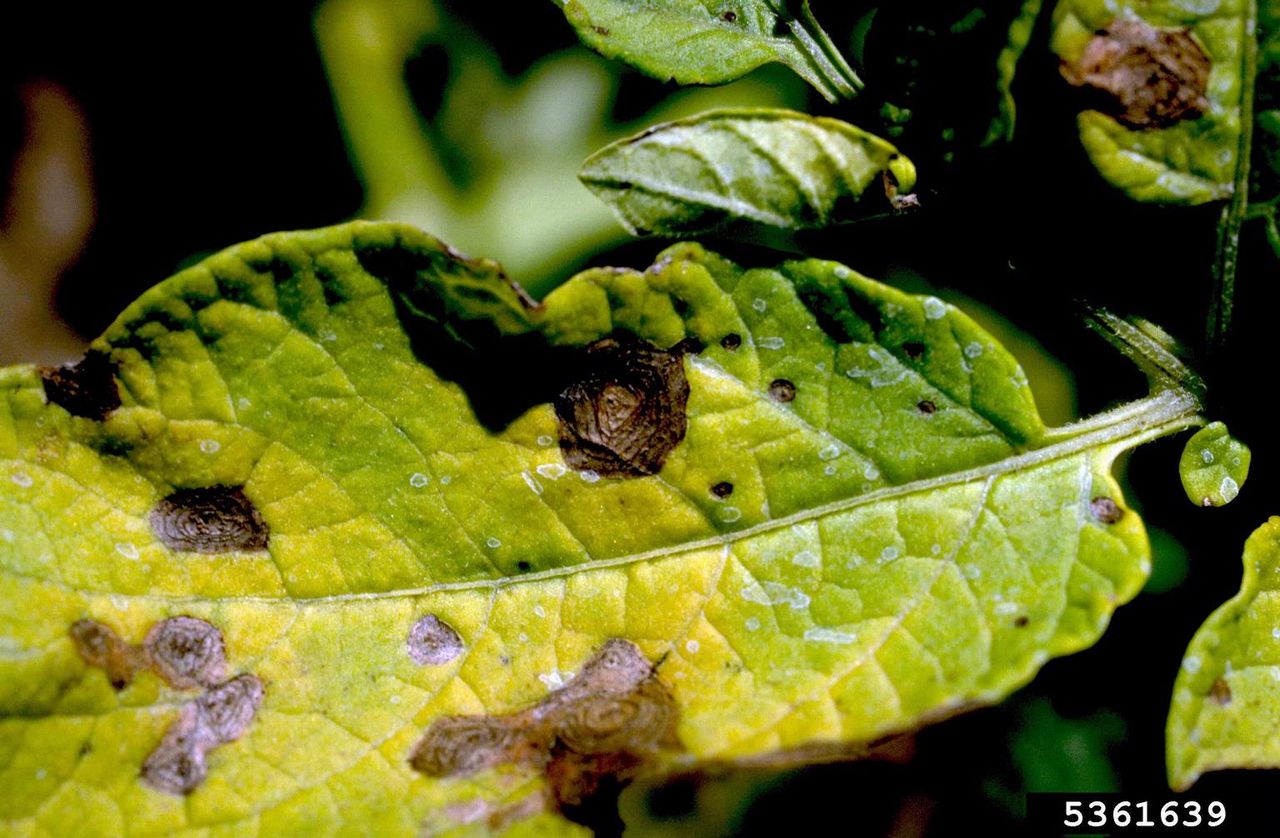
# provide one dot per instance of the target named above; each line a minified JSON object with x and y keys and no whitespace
{"x":761,"y":166}
{"x":1167,"y":81}
{"x":1213,"y":466}
{"x":1224,"y":712}
{"x":421,"y":614}
{"x":711,"y":42}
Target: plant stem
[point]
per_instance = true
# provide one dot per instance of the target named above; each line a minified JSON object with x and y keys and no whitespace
{"x":1222,"y":301}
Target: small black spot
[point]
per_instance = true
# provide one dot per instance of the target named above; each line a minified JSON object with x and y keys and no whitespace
{"x":624,"y":185}
{"x":782,"y":390}
{"x":1022,"y":621}
{"x":914,"y":350}
{"x":523,"y":566}
{"x":729,"y":16}
{"x":722,"y":489}
{"x":86,"y":388}
{"x":215,"y":519}
{"x":731,"y":341}
{"x":1106,"y":510}
{"x":927,"y":407}
{"x":681,"y":306}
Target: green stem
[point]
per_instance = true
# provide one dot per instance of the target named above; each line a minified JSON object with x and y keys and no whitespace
{"x":829,"y":65}
{"x":1222,"y":301}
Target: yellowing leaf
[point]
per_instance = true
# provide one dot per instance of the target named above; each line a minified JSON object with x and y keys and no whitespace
{"x":1224,"y":712}
{"x":338,"y":530}
{"x":1169,"y":135}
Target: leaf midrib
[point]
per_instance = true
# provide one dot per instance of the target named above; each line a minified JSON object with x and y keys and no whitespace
{"x":1124,"y":427}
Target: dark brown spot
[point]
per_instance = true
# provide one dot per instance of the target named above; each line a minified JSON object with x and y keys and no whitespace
{"x":782,"y":390}
{"x":590,"y":736}
{"x":523,"y":566}
{"x":433,"y":641}
{"x":186,"y":652}
{"x":689,"y":346}
{"x":926,"y":407}
{"x":86,"y":388}
{"x":1021,"y":621}
{"x":177,"y":764}
{"x":722,"y":489}
{"x":626,"y":412}
{"x":99,"y":646}
{"x":729,"y":16}
{"x":1105,"y":510}
{"x":217,"y":519}
{"x":460,"y":745}
{"x":731,"y":341}
{"x":220,"y":715}
{"x":226,"y":710}
{"x":1220,"y":692}
{"x":1144,"y":77}
{"x":914,"y":350}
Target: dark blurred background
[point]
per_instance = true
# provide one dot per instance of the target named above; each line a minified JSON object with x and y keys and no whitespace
{"x":138,"y":143}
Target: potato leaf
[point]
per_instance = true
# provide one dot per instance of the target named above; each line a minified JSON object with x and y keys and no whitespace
{"x":1224,"y":712}
{"x":768,"y":167}
{"x":1169,"y":82}
{"x":710,"y":42}
{"x":1214,"y":466}
{"x":338,"y":528}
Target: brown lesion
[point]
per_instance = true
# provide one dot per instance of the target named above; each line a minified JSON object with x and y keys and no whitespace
{"x":1144,"y":77}
{"x":432,"y":641}
{"x":86,"y":388}
{"x":213,"y":519}
{"x":625,"y":411}
{"x":188,"y":653}
{"x":590,"y":737}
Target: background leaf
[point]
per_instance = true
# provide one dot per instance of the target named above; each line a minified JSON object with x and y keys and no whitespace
{"x":857,"y":536}
{"x":1191,"y":161}
{"x":1224,"y":712}
{"x":1213,"y":466}
{"x":766,"y":167}
{"x":711,"y":42}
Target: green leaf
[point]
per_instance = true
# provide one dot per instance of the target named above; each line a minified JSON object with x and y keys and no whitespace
{"x":1224,"y":712}
{"x":1007,"y":67}
{"x":295,"y":547}
{"x":767,"y":167}
{"x":494,"y":167}
{"x":1174,"y":156}
{"x":1213,"y":466}
{"x":711,"y":42}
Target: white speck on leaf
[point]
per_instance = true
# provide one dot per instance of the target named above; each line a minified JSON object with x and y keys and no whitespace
{"x":871,"y":472}
{"x":589,"y":476}
{"x":973,"y":350}
{"x":552,"y":680}
{"x":692,"y":646}
{"x":545,"y":441}
{"x":539,"y":611}
{"x":842,"y":272}
{"x":493,"y":543}
{"x":730,"y":514}
{"x":129,"y":551}
{"x":1191,"y":664}
{"x":1006,"y":608}
{"x":446,"y":480}
{"x":889,"y":553}
{"x":759,"y":305}
{"x":22,"y":479}
{"x":771,"y":343}
{"x":531,"y":482}
{"x":417,"y":480}
{"x":1207,"y":456}
{"x":826,"y":635}
{"x":830,"y":452}
{"x":806,"y":558}
{"x":551,"y":471}
{"x":829,"y":471}
{"x":1228,"y":489}
{"x":753,"y":624}
{"x":934,"y":309}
